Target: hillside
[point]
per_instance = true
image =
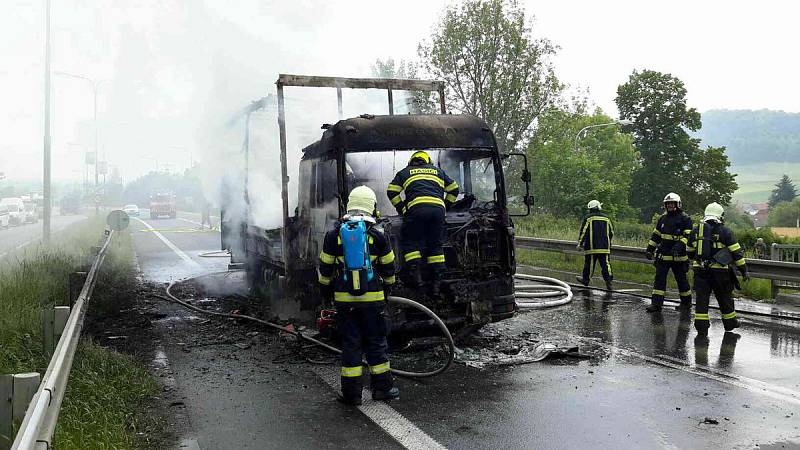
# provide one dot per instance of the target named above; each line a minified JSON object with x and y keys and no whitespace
{"x":762,"y":145}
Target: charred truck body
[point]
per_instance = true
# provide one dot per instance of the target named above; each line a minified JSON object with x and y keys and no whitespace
{"x":369,"y":150}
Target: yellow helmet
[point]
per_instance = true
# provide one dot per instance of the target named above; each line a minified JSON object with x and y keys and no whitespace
{"x":420,"y":155}
{"x":363,"y":199}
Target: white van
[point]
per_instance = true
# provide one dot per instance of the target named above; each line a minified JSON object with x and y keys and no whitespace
{"x":16,"y":210}
{"x":4,"y":217}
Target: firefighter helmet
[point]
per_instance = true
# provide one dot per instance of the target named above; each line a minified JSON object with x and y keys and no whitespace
{"x":714,"y":212}
{"x":673,"y":197}
{"x":594,"y":204}
{"x":420,"y":155}
{"x":362,"y":199}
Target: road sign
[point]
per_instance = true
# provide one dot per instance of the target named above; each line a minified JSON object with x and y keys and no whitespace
{"x":118,"y":220}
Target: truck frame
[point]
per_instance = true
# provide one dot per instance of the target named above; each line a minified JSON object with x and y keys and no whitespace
{"x":281,"y":263}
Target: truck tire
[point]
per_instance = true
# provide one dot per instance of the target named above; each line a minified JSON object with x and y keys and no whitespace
{"x":173,"y":215}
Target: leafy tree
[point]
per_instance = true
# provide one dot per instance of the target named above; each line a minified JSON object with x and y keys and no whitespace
{"x":493,"y":67}
{"x":671,"y":160}
{"x":784,"y":214}
{"x":563,"y":181}
{"x":389,"y":68}
{"x":784,"y":191}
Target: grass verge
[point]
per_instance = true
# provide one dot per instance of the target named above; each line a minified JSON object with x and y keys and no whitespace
{"x":107,"y":390}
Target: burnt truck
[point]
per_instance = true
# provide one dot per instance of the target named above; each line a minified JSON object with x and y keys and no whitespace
{"x":281,"y":264}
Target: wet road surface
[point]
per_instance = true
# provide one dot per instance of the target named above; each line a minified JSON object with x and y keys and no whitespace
{"x":16,"y":238}
{"x":647,"y":383}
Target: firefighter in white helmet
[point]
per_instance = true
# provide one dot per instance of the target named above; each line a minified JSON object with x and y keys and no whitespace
{"x":595,"y":241}
{"x":668,"y":247}
{"x":714,"y":252}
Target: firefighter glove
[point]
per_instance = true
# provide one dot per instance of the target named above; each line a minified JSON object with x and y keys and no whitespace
{"x":648,"y":255}
{"x":745,"y":274}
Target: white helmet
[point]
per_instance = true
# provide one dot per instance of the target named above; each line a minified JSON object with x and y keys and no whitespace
{"x":673,"y":197}
{"x":594,"y":204}
{"x":714,"y":212}
{"x":363,"y":199}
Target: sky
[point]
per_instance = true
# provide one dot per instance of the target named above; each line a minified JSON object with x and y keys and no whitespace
{"x":172,"y":73}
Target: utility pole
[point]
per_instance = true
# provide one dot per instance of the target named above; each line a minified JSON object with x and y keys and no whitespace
{"x":46,"y":194}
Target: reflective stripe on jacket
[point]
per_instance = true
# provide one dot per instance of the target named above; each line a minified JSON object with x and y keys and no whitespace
{"x":331,"y":266}
{"x":670,"y":236}
{"x":596,"y":234}
{"x":706,"y":239}
{"x":422,"y":184}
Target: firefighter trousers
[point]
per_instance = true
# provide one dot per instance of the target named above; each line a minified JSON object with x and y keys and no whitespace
{"x":422,"y":235}
{"x":720,"y":284}
{"x":679,"y":270}
{"x":363,"y":331}
{"x":589,"y":262}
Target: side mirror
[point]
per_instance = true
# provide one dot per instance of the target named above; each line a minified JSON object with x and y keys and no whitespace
{"x":527,"y":199}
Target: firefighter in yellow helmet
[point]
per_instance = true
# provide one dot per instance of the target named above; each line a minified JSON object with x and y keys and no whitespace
{"x":714,"y":252}
{"x":428,"y":192}
{"x":356,"y":268}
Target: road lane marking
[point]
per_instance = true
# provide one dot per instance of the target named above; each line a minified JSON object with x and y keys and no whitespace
{"x":169,"y":244}
{"x":198,"y":224}
{"x":750,"y":384}
{"x":395,"y":424}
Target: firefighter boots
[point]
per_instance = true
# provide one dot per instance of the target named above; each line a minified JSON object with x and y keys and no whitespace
{"x":582,"y":281}
{"x":391,"y":394}
{"x":653,"y":308}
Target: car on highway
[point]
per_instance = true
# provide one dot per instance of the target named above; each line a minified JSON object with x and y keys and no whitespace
{"x":4,"y":217}
{"x":131,"y":210}
{"x":31,"y":213}
{"x":16,"y":210}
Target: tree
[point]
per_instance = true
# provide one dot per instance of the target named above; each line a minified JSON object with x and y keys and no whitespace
{"x":563,"y":181}
{"x":671,"y":160}
{"x":784,"y":191}
{"x":784,"y":214}
{"x":493,"y":67}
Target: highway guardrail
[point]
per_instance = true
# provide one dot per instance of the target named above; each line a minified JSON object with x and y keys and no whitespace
{"x":781,"y":271}
{"x":36,"y":430}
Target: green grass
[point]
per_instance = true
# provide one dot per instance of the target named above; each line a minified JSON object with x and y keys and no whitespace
{"x":756,"y":181}
{"x":104,"y":396}
{"x":106,"y":390}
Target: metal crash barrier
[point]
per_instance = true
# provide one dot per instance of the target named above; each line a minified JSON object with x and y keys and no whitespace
{"x":783,"y":273}
{"x":36,"y":431}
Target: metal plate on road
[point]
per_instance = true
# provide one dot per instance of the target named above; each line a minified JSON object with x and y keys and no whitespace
{"x":118,"y":220}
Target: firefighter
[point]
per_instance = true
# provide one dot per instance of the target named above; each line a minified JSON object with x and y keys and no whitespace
{"x":595,"y":241}
{"x":668,"y":247}
{"x":429,"y":192}
{"x":714,"y":250}
{"x":356,"y":269}
{"x":760,"y":249}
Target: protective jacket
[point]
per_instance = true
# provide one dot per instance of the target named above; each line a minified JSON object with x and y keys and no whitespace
{"x":670,"y":236}
{"x":332,"y":272}
{"x":422,"y":184}
{"x":712,"y":245}
{"x":596,"y":233}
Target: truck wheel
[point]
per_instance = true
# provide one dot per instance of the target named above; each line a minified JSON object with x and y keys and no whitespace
{"x":173,"y":215}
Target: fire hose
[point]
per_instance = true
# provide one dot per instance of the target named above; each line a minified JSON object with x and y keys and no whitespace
{"x":540,"y":295}
{"x":393,"y":299}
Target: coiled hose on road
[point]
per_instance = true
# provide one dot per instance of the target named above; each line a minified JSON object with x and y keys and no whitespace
{"x":537,"y":296}
{"x":398,"y":300}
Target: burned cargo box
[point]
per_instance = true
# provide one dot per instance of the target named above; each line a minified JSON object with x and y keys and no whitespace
{"x":369,"y":150}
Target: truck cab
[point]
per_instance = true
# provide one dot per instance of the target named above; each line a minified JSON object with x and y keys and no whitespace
{"x":478,"y":285}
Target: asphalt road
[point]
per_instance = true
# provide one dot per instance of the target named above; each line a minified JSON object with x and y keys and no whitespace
{"x":648,"y":383}
{"x":14,"y":238}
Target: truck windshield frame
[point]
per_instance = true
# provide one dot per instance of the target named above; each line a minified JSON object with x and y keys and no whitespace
{"x":478,"y":172}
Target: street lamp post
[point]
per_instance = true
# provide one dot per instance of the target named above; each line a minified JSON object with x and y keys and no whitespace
{"x":95,"y":85}
{"x":621,"y":122}
{"x":46,"y":188}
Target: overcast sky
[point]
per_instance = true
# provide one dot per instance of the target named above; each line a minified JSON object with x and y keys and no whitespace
{"x":175,"y":70}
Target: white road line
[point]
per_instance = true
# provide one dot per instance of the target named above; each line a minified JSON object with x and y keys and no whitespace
{"x":198,"y":224}
{"x":169,"y":244}
{"x":750,"y":384}
{"x":395,"y":424}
